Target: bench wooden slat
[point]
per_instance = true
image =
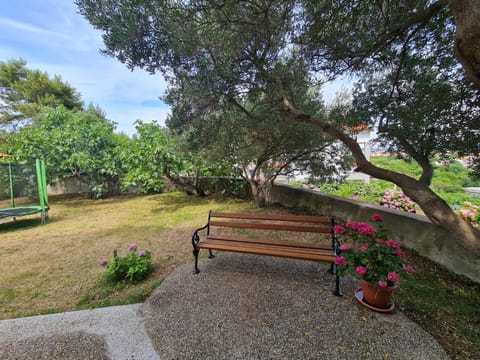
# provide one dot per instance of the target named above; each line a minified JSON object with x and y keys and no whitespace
{"x":269,"y":246}
{"x":258,"y":249}
{"x":270,"y":226}
{"x":261,"y":216}
{"x":269,"y":241}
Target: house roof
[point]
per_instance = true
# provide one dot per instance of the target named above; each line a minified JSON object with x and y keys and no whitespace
{"x":357,"y":128}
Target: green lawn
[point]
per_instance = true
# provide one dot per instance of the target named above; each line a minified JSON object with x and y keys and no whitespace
{"x":55,"y":267}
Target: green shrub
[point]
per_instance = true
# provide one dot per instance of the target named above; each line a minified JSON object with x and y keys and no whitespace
{"x":135,"y":266}
{"x":448,"y":182}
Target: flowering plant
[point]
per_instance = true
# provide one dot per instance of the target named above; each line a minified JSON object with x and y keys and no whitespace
{"x":369,"y":254}
{"x":394,"y":199}
{"x":470,"y":213}
{"x":135,"y":266}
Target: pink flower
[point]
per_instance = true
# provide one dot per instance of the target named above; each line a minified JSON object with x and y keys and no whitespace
{"x":340,"y":260}
{"x":141,"y":253}
{"x":393,"y":244}
{"x":363,"y":247}
{"x":393,"y":277}
{"x":360,"y":270}
{"x":409,"y":269}
{"x":352,"y":225}
{"x":377,"y":217}
{"x":338,"y":229}
{"x":345,"y":247}
{"x":400,"y":254}
{"x":366,"y":229}
{"x":133,"y":247}
{"x":103,"y":262}
{"x":382,"y":284}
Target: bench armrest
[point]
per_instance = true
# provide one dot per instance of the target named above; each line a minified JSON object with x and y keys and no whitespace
{"x":196,"y":237}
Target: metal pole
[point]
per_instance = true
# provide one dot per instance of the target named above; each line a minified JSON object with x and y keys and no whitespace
{"x":10,"y":177}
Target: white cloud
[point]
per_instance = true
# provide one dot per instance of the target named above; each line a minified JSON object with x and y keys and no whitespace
{"x":18,"y":25}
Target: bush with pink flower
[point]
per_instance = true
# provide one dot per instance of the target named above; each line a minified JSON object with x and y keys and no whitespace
{"x":397,"y":200}
{"x":135,"y":266}
{"x":470,"y":213}
{"x":369,"y":254}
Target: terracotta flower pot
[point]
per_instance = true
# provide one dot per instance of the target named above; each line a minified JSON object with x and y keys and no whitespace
{"x":377,"y":296}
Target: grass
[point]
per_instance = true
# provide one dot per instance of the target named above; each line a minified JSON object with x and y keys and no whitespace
{"x":445,"y":305}
{"x":55,"y":267}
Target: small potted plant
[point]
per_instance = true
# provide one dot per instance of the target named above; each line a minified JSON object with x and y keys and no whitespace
{"x":378,"y":261}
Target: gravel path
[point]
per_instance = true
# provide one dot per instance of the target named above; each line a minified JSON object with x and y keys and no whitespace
{"x":250,"y":307}
{"x":238,"y":307}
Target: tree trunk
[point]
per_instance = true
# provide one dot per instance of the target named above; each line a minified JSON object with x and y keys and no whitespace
{"x":434,"y":207}
{"x":258,"y":193}
{"x":467,"y":43}
{"x":188,"y":188}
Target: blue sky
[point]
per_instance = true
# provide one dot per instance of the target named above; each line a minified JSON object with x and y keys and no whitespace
{"x":51,"y":36}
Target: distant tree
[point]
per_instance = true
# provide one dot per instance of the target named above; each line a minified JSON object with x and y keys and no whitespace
{"x":24,"y":93}
{"x":78,"y":144}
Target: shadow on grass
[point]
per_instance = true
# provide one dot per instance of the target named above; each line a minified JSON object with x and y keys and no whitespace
{"x":170,"y":202}
{"x":19,"y":224}
{"x":79,"y":200}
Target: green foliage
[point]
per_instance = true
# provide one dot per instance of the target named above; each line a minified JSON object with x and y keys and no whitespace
{"x":151,"y":156}
{"x":448,"y":182}
{"x":78,"y":144}
{"x":135,"y":266}
{"x":358,"y":190}
{"x":24,"y":93}
{"x":405,"y":166}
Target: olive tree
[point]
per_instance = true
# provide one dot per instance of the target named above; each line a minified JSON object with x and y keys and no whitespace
{"x":235,"y":51}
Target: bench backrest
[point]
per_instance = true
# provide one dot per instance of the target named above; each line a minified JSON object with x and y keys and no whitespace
{"x":316,"y":224}
{"x":294,"y":223}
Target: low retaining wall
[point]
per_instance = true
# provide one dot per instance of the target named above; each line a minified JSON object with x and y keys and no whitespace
{"x":414,"y":231}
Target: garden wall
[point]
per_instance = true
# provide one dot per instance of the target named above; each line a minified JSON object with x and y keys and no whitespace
{"x":414,"y":231}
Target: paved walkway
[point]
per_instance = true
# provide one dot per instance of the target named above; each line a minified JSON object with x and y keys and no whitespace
{"x":238,"y":307}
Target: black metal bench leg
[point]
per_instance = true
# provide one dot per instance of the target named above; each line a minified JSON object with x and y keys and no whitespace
{"x":210,"y":255}
{"x":337,"y":291}
{"x":331,"y":271}
{"x":195,"y":253}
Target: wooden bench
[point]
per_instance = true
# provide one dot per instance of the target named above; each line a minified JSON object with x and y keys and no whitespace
{"x":218,"y":238}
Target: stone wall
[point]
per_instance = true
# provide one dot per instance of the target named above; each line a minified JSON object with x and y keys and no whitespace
{"x":71,"y":185}
{"x":414,"y":231}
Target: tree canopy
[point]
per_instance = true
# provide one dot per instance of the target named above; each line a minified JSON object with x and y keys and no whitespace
{"x":238,"y":52}
{"x":78,"y":144}
{"x":24,"y":93}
